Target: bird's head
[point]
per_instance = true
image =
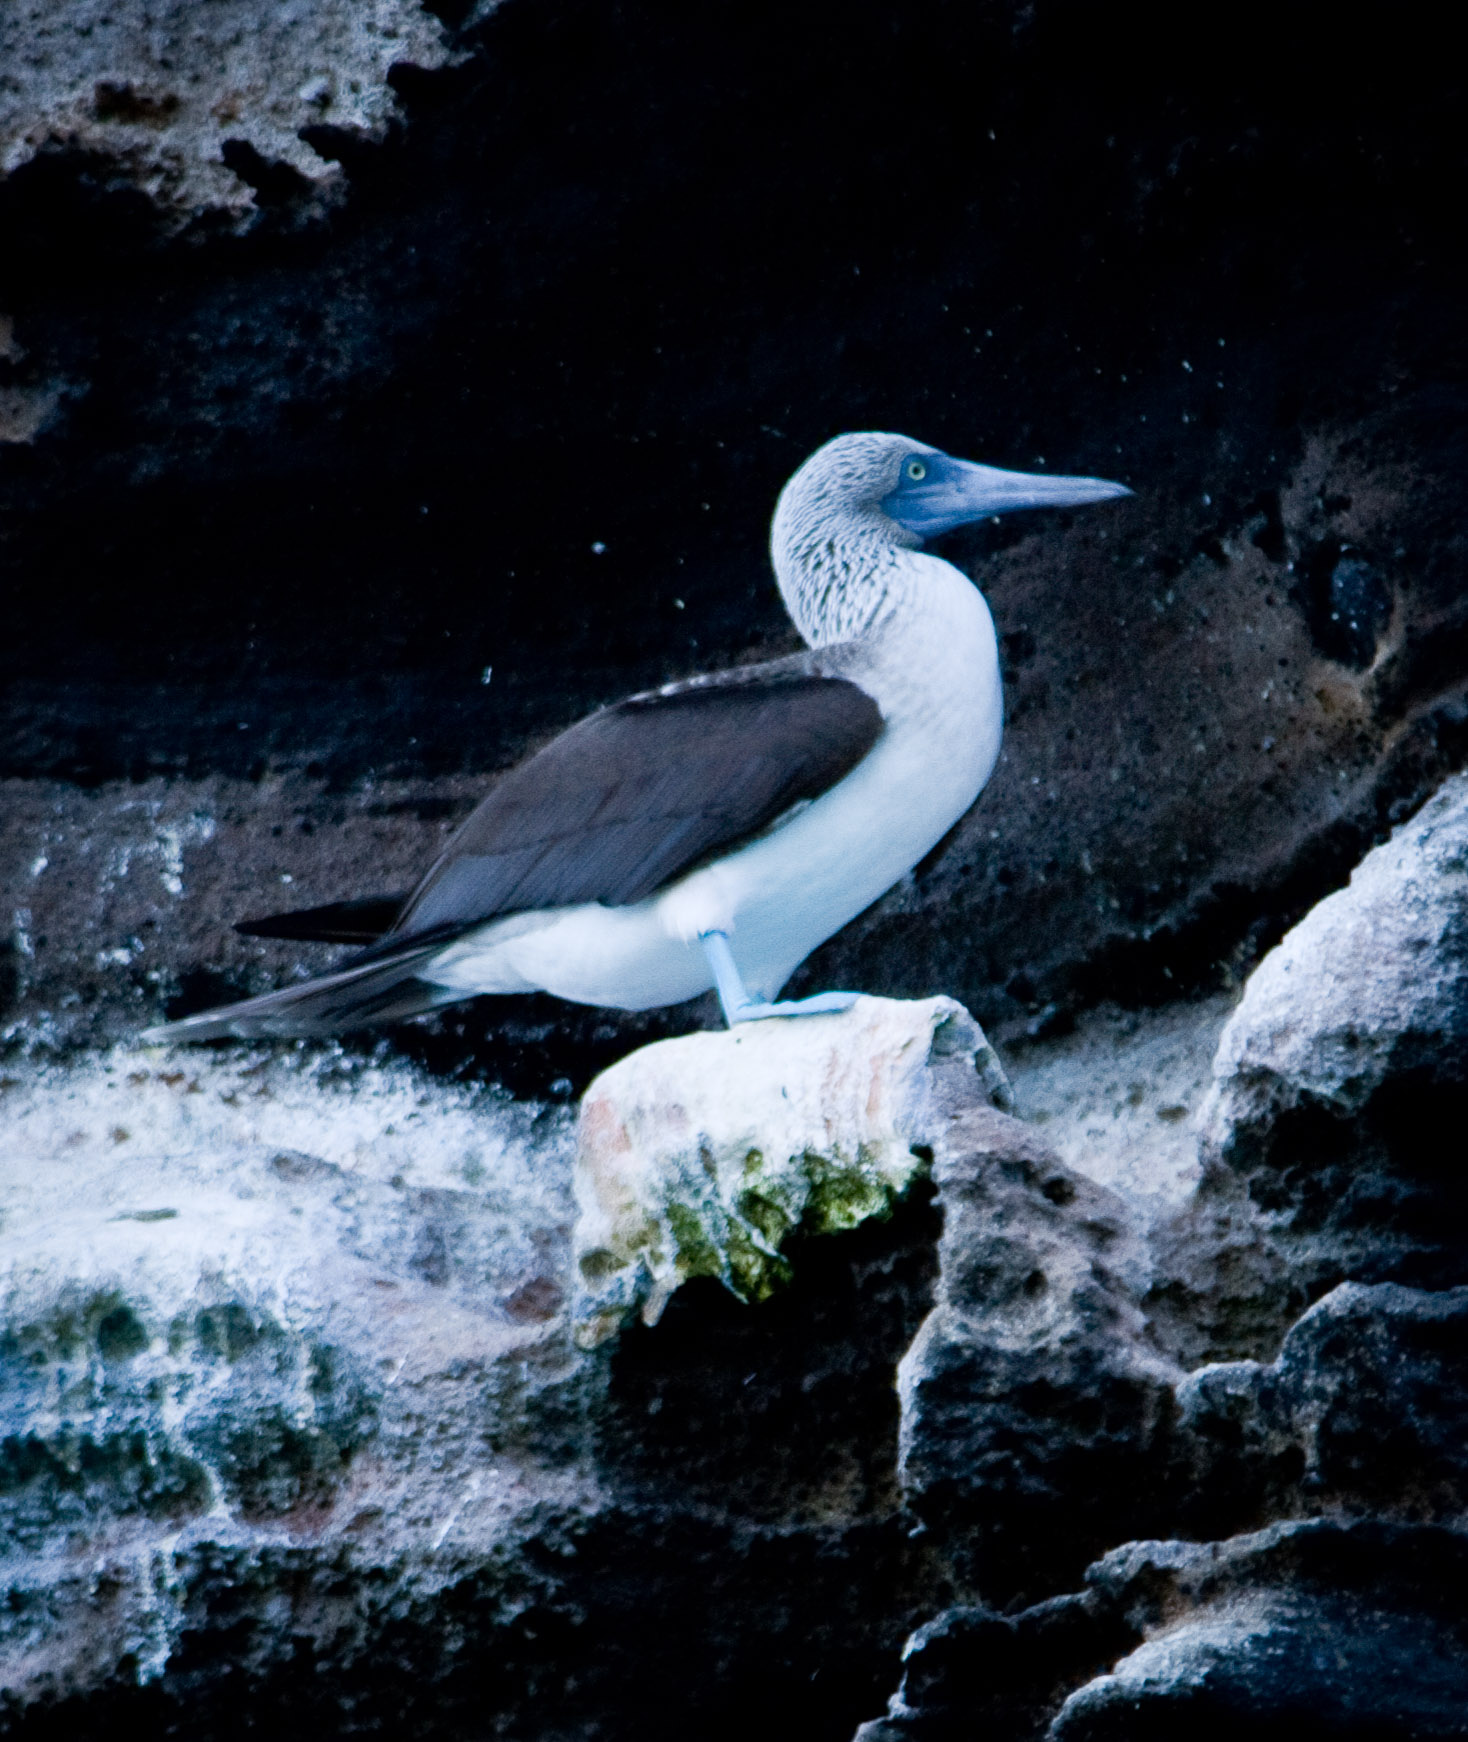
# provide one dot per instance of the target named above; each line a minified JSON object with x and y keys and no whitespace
{"x":866,"y":495}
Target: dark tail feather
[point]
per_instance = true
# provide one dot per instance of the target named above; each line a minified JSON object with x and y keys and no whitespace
{"x":339,"y":922}
{"x":382,"y":991}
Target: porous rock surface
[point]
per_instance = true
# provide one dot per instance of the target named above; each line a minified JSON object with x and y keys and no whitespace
{"x":340,"y":462}
{"x":1346,"y":1063}
{"x":286,"y":1343}
{"x":175,"y":98}
{"x":290,"y":1345}
{"x":1372,"y":984}
{"x":1312,"y":1627}
{"x":1035,"y":1322}
{"x":698,"y":1157}
{"x":260,"y":1311}
{"x":1301,"y":1513}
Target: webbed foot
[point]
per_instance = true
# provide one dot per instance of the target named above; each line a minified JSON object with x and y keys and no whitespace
{"x":737,"y":1004}
{"x":823,"y":1004}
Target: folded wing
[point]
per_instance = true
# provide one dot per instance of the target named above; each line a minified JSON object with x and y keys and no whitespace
{"x":641,"y":793}
{"x":613,"y":810}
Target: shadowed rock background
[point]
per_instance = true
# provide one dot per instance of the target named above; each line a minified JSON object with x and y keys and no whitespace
{"x":381,"y":389}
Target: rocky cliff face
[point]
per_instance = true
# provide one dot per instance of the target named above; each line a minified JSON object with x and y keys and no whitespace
{"x":520,"y":403}
{"x":1298,"y":1508}
{"x":383,"y":385}
{"x":314,"y":1365}
{"x":311,"y":1371}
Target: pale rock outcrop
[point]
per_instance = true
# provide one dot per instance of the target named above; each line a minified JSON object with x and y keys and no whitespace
{"x":1345,"y":1068}
{"x":1371,"y":984}
{"x":697,"y":1157}
{"x":163,"y":90}
{"x":1048,"y":1397}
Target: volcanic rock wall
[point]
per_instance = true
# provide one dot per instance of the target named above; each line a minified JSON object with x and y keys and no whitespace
{"x":382,"y":386}
{"x":521,"y":406}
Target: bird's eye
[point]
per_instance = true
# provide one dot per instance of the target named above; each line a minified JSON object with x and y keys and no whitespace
{"x":916,"y":470}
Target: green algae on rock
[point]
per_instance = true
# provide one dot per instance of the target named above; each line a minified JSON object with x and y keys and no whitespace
{"x":700,"y":1156}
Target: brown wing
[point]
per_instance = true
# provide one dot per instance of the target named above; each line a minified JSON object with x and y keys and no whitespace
{"x":641,"y":793}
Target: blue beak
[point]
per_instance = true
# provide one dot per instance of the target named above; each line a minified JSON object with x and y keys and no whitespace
{"x":954,"y":493}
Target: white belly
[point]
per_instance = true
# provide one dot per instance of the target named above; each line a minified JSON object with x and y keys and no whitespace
{"x":788,"y":891}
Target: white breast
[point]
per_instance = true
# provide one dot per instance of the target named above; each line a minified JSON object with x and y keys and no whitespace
{"x":932,"y":666}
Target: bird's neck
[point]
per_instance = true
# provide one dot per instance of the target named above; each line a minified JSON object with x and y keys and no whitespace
{"x":839,"y":579}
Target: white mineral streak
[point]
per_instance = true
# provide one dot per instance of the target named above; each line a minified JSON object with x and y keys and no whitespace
{"x":251,"y":1298}
{"x":265,"y":1302}
{"x":157,"y":87}
{"x":1373,"y":981}
{"x":697,"y":1156}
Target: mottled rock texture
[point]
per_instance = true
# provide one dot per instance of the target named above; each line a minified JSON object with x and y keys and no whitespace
{"x":1344,"y":1617}
{"x":1361,"y":1409}
{"x":1314,"y":1628}
{"x":699,"y":1157}
{"x":1372,"y":985}
{"x":261,"y":1311}
{"x":1345,"y":1068}
{"x":1033,"y":1394}
{"x":183,"y":102}
{"x":524,"y":402}
{"x":340,"y":464}
{"x":1306,"y":1506}
{"x":287,"y":1367}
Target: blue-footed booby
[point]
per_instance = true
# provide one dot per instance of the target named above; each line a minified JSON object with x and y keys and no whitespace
{"x":711,"y":833}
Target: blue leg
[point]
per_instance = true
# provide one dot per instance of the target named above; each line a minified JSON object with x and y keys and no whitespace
{"x":740,"y":1007}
